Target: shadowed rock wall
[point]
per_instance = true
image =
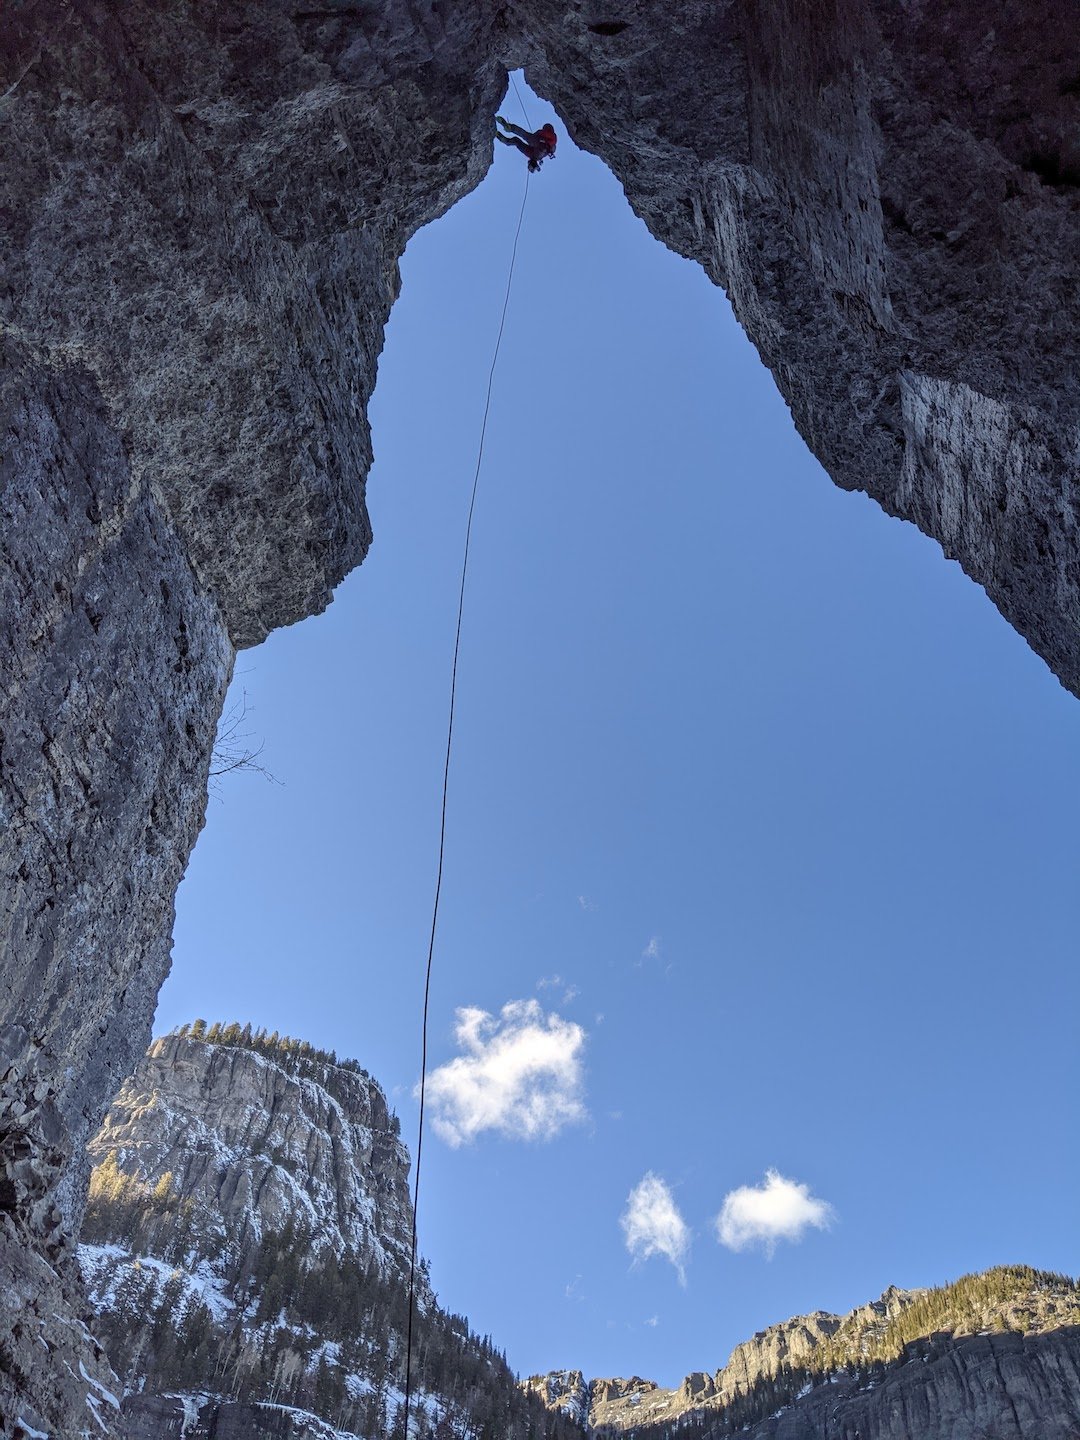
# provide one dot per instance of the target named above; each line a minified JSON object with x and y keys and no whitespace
{"x":203,"y":208}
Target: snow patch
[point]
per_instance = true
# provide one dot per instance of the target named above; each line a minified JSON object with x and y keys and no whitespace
{"x":105,"y":1267}
{"x":106,"y":1395}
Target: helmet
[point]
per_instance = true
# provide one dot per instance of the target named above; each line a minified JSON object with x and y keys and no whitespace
{"x":548,"y":130}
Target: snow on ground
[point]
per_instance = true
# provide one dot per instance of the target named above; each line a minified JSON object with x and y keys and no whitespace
{"x":105,"y":1267}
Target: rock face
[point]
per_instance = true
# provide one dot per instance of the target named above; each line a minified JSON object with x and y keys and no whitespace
{"x":1011,"y":1387}
{"x":252,"y":1145}
{"x":203,"y":211}
{"x":246,"y":1253}
{"x":564,"y":1392}
{"x":38,"y":1276}
{"x":991,"y":1355}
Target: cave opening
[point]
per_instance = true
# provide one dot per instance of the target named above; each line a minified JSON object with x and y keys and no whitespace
{"x":686,"y":655}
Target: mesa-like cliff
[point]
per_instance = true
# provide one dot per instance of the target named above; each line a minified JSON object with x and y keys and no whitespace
{"x":246,"y":1253}
{"x":996,"y":1355}
{"x":203,"y":209}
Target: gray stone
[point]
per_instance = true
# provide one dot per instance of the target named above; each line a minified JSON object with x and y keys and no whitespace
{"x":203,"y":209}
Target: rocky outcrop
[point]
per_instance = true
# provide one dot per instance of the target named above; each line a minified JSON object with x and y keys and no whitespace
{"x":51,"y":1367}
{"x":881,"y":1372}
{"x":203,"y":209}
{"x":564,"y":1392}
{"x":246,"y":1253}
{"x":253,"y":1146}
{"x":1011,"y":1387}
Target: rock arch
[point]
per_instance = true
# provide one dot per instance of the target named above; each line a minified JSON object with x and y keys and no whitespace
{"x":204,"y":208}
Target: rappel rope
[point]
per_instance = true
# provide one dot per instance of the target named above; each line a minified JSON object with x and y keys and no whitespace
{"x":521,"y":102}
{"x":445,"y":788}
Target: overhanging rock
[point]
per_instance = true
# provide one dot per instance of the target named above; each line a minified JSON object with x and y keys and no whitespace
{"x":203,"y":209}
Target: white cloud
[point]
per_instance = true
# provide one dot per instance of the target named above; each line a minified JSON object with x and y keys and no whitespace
{"x":778,"y":1209}
{"x":585,"y":902}
{"x":521,"y":1075}
{"x":652,"y":949}
{"x":652,"y":1224}
{"x":653,"y":1321}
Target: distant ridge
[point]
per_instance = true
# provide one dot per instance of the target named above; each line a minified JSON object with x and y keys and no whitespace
{"x":943,"y":1362}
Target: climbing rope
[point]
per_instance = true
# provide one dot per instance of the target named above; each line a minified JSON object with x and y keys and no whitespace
{"x":445,"y":788}
{"x":521,"y":102}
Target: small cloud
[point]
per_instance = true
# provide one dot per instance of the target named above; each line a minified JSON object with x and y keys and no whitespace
{"x":573,"y":1291}
{"x":652,"y":1224}
{"x":653,"y":1321}
{"x":521,"y":1075}
{"x":614,"y":1114}
{"x":652,"y":949}
{"x":779,"y":1209}
{"x":599,"y":1019}
{"x":585,"y":903}
{"x":556,"y":982}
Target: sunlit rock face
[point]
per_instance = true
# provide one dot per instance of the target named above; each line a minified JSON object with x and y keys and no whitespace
{"x":203,"y":212}
{"x":252,"y":1147}
{"x":994,"y":1354}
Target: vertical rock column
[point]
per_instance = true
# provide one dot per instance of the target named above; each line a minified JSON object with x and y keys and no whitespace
{"x":113,"y":665}
{"x":202,"y":210}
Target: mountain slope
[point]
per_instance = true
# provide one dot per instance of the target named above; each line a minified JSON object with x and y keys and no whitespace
{"x":246,"y":1250}
{"x":988,"y":1357}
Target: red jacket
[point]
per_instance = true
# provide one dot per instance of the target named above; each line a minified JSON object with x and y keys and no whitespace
{"x":542,"y":143}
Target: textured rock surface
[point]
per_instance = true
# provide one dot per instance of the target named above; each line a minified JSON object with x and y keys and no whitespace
{"x":945,"y":1385}
{"x":1008,"y":1387}
{"x":246,"y":1254}
{"x":203,"y":209}
{"x":39,"y":1282}
{"x":251,"y":1147}
{"x":891,"y":197}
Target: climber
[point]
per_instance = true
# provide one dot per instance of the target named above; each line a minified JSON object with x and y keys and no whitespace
{"x":538,"y":145}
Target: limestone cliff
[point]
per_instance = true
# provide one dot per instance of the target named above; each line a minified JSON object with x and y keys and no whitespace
{"x":203,"y":208}
{"x":252,"y":1144}
{"x":246,"y":1253}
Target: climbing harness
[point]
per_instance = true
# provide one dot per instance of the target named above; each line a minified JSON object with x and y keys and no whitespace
{"x":445,"y":788}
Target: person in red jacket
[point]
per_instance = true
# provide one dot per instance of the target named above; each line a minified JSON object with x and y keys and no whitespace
{"x":537,"y":145}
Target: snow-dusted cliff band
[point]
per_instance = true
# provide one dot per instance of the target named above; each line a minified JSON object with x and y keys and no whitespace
{"x":203,"y":212}
{"x":246,"y":1254}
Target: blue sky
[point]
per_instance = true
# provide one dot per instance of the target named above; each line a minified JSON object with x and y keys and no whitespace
{"x":762,"y":821}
